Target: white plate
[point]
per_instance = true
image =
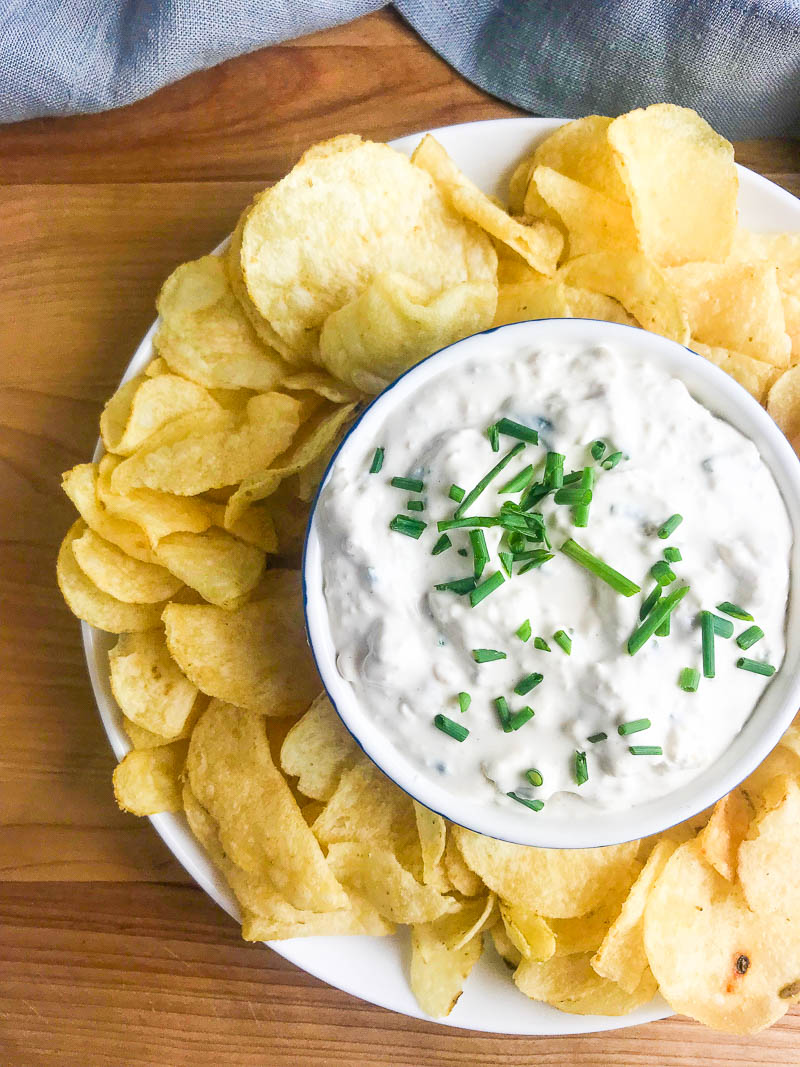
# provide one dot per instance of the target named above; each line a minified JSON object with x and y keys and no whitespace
{"x":375,"y":969}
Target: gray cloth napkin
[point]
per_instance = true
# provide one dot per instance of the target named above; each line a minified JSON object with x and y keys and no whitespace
{"x":735,"y":61}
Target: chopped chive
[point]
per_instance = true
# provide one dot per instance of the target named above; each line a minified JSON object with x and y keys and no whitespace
{"x":463,"y":552}
{"x":707,"y":629}
{"x":455,"y":492}
{"x":506,"y":561}
{"x":722,"y":627}
{"x":755,"y":667}
{"x":441,"y":545}
{"x":689,"y":679}
{"x":536,"y":492}
{"x":662,"y":573}
{"x":672,"y":555}
{"x":415,"y":505}
{"x":670,"y":526}
{"x":503,"y":713}
{"x":573,"y":477}
{"x":523,"y":632}
{"x":404,"y":524}
{"x":749,"y":637}
{"x":610,"y":462}
{"x":734,"y":611}
{"x":524,"y":685}
{"x":413,"y":485}
{"x":516,"y":429}
{"x":563,"y":640}
{"x":452,"y":729}
{"x":645,"y":750}
{"x":650,"y":602}
{"x":377,"y":461}
{"x":580,"y":516}
{"x":494,"y":437}
{"x":593,"y":740}
{"x":554,"y":470}
{"x":533,"y":804}
{"x":520,"y":717}
{"x":461,"y":524}
{"x":475,"y":492}
{"x":487,"y":655}
{"x":642,"y":634}
{"x":598,"y":449}
{"x":461,"y":586}
{"x":519,"y":481}
{"x":464,"y":701}
{"x":635,"y":726}
{"x":618,"y":582}
{"x":664,"y":629}
{"x":581,"y":770}
{"x":534,"y":777}
{"x":541,"y":644}
{"x":538,"y":557}
{"x":480,"y":553}
{"x":516,"y":541}
{"x":483,"y":590}
{"x":574,"y":495}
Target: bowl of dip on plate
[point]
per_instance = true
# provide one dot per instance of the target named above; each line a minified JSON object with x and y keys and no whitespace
{"x":550,"y":583}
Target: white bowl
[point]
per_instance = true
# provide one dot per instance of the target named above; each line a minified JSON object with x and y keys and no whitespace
{"x":721,"y":395}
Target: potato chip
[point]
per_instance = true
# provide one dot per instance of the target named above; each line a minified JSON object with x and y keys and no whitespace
{"x":120,"y":575}
{"x":549,"y":881}
{"x":256,"y":527}
{"x":363,"y":209}
{"x":583,"y":933}
{"x":317,"y":749}
{"x":149,"y":686}
{"x":90,"y":603}
{"x":752,"y":374}
{"x":570,"y":984}
{"x":783,"y":403}
{"x":539,"y":243}
{"x":713,"y":958}
{"x":735,"y":306}
{"x":505,"y":947}
{"x":205,"y":334}
{"x":637,"y":284}
{"x":220,"y":567}
{"x":204,"y":450}
{"x":231,"y":773}
{"x":438,"y":973}
{"x":256,"y":657}
{"x":545,"y":299}
{"x":681,"y":181}
{"x":791,"y":739}
{"x":518,"y":186}
{"x":461,"y":877}
{"x":432,"y":830}
{"x":527,"y":931}
{"x":782,"y":761}
{"x":580,"y":150}
{"x":720,"y":838}
{"x":375,"y":873}
{"x":317,"y":381}
{"x":148,"y":781}
{"x":156,"y":366}
{"x":621,"y":956}
{"x":780,"y":249}
{"x":767,"y":868}
{"x":471,"y":918}
{"x":139,"y":737}
{"x":586,"y":304}
{"x":395,"y":323}
{"x":143,"y":405}
{"x":594,"y":222}
{"x":80,"y":485}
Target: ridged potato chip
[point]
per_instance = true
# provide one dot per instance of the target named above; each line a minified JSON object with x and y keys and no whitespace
{"x":318,"y":749}
{"x":570,"y":984}
{"x":549,"y":881}
{"x":720,"y":838}
{"x":752,"y":374}
{"x":220,"y":567}
{"x":120,"y":575}
{"x":395,"y":323}
{"x":770,"y":878}
{"x":148,"y":685}
{"x":143,"y":405}
{"x":783,"y":403}
{"x":148,"y":781}
{"x":539,"y":243}
{"x":316,"y":240}
{"x":580,"y":151}
{"x":205,"y":334}
{"x":90,"y":603}
{"x":713,"y":958}
{"x":594,"y":222}
{"x":681,"y":181}
{"x":80,"y":485}
{"x":256,"y":656}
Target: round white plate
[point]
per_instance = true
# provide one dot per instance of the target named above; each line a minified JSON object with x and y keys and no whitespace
{"x":376,"y":969}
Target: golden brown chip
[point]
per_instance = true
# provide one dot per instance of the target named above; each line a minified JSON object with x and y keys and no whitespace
{"x":594,"y":222}
{"x":220,"y":567}
{"x":143,"y":405}
{"x":570,"y":984}
{"x":149,"y":686}
{"x":80,"y":485}
{"x":148,"y":781}
{"x":139,"y":737}
{"x":752,"y":374}
{"x":261,"y":828}
{"x":255,"y":657}
{"x":317,"y":750}
{"x":120,"y":575}
{"x":720,"y":838}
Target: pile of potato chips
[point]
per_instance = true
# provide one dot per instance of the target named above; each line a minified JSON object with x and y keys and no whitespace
{"x":355,"y":266}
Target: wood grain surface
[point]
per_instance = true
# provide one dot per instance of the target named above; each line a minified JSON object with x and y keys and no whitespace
{"x":109,"y":953}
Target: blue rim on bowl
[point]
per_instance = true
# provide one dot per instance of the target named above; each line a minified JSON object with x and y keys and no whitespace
{"x":724,"y":397}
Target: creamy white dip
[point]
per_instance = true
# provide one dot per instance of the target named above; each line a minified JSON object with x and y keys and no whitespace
{"x":406,"y":648}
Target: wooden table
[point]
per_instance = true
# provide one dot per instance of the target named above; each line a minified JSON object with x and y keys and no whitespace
{"x":109,"y":953}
